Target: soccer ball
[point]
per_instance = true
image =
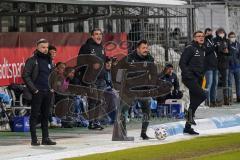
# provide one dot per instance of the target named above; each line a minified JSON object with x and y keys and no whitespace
{"x":161,"y":133}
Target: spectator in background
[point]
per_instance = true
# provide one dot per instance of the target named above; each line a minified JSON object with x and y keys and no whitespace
{"x":223,"y":55}
{"x":170,"y":76}
{"x":234,"y":51}
{"x":211,"y":67}
{"x":52,"y":51}
{"x":68,"y":76}
{"x":110,"y":94}
{"x":36,"y":71}
{"x":175,"y":38}
{"x":56,"y":79}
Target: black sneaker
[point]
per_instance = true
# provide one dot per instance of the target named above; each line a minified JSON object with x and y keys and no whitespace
{"x":48,"y":142}
{"x":98,"y":126}
{"x":144,"y":136}
{"x":35,"y":143}
{"x":190,"y":131}
{"x":91,"y":127}
{"x":95,"y":127}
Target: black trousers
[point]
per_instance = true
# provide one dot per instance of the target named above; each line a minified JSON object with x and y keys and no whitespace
{"x":111,"y":99}
{"x":146,"y":110}
{"x":225,"y":78}
{"x":197,"y":94}
{"x":94,"y":110}
{"x":40,"y":106}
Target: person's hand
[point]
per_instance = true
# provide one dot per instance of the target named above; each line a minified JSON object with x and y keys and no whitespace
{"x":96,"y":66}
{"x":52,"y":90}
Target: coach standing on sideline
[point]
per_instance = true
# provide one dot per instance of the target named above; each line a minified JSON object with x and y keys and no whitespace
{"x":192,"y":66}
{"x":93,"y":46}
{"x":35,"y":75}
{"x":141,"y":54}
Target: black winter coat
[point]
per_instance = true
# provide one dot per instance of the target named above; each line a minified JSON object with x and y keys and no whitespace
{"x":31,"y":71}
{"x":234,"y":50}
{"x":134,"y":57}
{"x":211,"y":61}
{"x":192,"y":61}
{"x":170,"y":78}
{"x":90,"y":47}
{"x":223,"y":58}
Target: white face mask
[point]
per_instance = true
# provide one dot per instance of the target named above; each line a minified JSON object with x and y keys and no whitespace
{"x":221,"y":35}
{"x":232,"y":39}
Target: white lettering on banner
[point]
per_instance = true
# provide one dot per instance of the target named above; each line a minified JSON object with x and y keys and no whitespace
{"x":11,"y":70}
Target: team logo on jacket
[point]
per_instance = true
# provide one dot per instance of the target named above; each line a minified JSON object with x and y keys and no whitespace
{"x":49,"y":66}
{"x":92,"y":51}
{"x":197,"y":53}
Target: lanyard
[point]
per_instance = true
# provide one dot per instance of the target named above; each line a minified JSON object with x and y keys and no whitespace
{"x":212,"y":46}
{"x":210,"y":42}
{"x":236,"y":46}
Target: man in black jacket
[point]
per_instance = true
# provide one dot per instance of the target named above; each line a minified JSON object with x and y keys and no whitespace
{"x":93,"y":46}
{"x":192,"y":66}
{"x":35,"y":75}
{"x":211,"y":67}
{"x":142,"y":55}
{"x":221,"y":48}
{"x":110,"y":94}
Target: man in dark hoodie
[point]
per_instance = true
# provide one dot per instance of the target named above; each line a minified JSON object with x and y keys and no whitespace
{"x":234,"y":50}
{"x":141,"y":54}
{"x":221,"y":48}
{"x":169,"y":76}
{"x":211,"y":67}
{"x":192,"y":66}
{"x":35,"y":75}
{"x":104,"y":82}
{"x":93,"y":46}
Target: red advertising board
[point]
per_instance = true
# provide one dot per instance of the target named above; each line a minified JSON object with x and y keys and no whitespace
{"x":15,"y":48}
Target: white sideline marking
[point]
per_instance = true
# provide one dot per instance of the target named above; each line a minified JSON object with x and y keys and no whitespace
{"x":91,"y":144}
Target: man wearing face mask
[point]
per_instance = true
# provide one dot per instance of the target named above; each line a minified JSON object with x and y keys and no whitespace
{"x":221,"y":48}
{"x":211,"y":68}
{"x":234,"y":50}
{"x":192,"y":67}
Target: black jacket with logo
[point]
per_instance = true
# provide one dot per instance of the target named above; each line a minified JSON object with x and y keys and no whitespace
{"x":192,"y":61}
{"x":31,"y":71}
{"x":134,"y":57}
{"x":170,"y":78}
{"x":90,"y":47}
{"x":211,"y":61}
